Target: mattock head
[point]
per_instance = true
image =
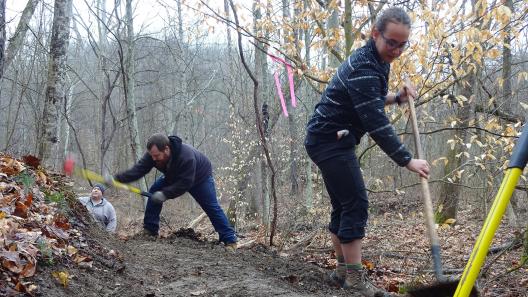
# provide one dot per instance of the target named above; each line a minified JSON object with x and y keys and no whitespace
{"x":69,"y":165}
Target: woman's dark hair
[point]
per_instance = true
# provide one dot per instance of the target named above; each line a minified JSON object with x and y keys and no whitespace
{"x":159,"y":140}
{"x":392,"y":15}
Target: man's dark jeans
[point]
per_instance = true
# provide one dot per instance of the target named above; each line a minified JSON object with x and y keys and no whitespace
{"x":205,"y":195}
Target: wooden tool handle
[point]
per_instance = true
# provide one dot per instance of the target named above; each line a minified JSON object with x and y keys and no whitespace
{"x":428,"y":205}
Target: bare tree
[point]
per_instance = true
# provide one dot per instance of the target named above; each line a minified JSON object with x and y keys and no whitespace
{"x":128,"y":71}
{"x":56,"y":86}
{"x":15,"y":42}
{"x":2,"y":36}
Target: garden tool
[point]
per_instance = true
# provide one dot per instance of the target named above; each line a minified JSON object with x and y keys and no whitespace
{"x":443,"y":287}
{"x":480,"y":250}
{"x":70,"y":168}
{"x":429,"y":216}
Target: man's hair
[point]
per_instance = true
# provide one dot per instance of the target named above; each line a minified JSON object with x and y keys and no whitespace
{"x":392,"y":15}
{"x":159,"y":140}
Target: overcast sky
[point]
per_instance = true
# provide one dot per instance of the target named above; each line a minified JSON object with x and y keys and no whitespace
{"x":150,"y":15}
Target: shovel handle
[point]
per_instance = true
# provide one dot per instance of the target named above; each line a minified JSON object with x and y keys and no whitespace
{"x":426,"y":193}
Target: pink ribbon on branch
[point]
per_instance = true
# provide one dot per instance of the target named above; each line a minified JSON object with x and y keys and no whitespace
{"x":289,"y":70}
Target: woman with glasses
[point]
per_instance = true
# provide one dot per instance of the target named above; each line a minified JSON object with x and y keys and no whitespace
{"x":352,"y":105}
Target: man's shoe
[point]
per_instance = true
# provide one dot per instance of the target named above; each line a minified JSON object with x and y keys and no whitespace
{"x":231,"y":247}
{"x":357,"y":280}
{"x":145,"y":235}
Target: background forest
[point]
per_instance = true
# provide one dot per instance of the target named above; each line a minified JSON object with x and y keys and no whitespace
{"x":96,"y":78}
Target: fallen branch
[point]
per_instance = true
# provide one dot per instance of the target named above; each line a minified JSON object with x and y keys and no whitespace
{"x":196,"y":221}
{"x":302,"y":243}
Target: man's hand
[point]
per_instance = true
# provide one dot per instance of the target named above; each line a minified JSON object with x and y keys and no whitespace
{"x":158,"y":197}
{"x":419,"y":166}
{"x":108,"y":180}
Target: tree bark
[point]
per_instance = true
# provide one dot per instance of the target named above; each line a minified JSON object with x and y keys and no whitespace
{"x":310,"y":97}
{"x":292,"y":126}
{"x":56,"y":85}
{"x":129,"y":87}
{"x":16,"y":41}
{"x":450,"y":191}
{"x":507,"y":100}
{"x":2,"y":36}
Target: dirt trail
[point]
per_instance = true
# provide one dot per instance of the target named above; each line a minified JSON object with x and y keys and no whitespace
{"x":178,"y":266}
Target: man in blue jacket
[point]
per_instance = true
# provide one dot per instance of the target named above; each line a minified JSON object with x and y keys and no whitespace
{"x":352,"y":105}
{"x":184,"y":169}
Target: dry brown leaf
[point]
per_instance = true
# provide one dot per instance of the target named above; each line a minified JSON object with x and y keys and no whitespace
{"x":61,"y":277}
{"x":394,"y":286}
{"x":368,"y":265}
{"x":42,"y":179}
{"x":10,"y":166}
{"x":21,"y":210}
{"x":28,"y":270}
{"x":71,"y":250}
{"x":31,"y":161}
{"x":29,"y":199}
{"x":54,"y":232}
{"x":11,"y":261}
{"x":79,"y":258}
{"x":7,"y":200}
{"x":61,"y":221}
{"x":20,"y":287}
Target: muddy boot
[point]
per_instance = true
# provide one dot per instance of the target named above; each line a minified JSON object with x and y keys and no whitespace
{"x":337,"y":277}
{"x":145,"y":235}
{"x":357,"y":280}
{"x":231,"y":247}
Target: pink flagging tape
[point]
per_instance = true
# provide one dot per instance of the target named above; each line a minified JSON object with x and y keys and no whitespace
{"x":279,"y":91}
{"x":289,"y":70}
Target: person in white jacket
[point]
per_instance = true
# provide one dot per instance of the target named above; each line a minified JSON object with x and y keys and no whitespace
{"x":100,"y":208}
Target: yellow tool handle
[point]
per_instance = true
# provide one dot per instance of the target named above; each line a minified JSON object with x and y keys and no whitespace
{"x":87,"y":174}
{"x":516,"y":166}
{"x":480,"y":251}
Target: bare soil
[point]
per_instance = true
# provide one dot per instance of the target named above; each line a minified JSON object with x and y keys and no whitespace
{"x":181,"y":266}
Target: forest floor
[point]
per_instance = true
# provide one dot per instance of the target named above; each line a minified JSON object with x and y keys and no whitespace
{"x":90,"y":262}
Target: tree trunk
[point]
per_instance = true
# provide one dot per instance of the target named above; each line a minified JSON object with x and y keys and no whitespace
{"x":349,"y":38}
{"x":2,"y":36}
{"x":107,"y":84}
{"x":56,"y":85}
{"x":20,"y":32}
{"x":450,"y":191}
{"x":507,"y":100}
{"x":262,"y":74}
{"x":228,"y":31}
{"x":333,"y":24}
{"x":130,"y":97}
{"x":310,"y":97}
{"x":292,"y":127}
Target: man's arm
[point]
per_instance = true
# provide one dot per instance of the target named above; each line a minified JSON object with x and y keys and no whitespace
{"x":184,"y":179}
{"x":140,"y":169}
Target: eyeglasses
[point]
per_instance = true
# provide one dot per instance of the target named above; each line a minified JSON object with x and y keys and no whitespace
{"x":393,"y":44}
